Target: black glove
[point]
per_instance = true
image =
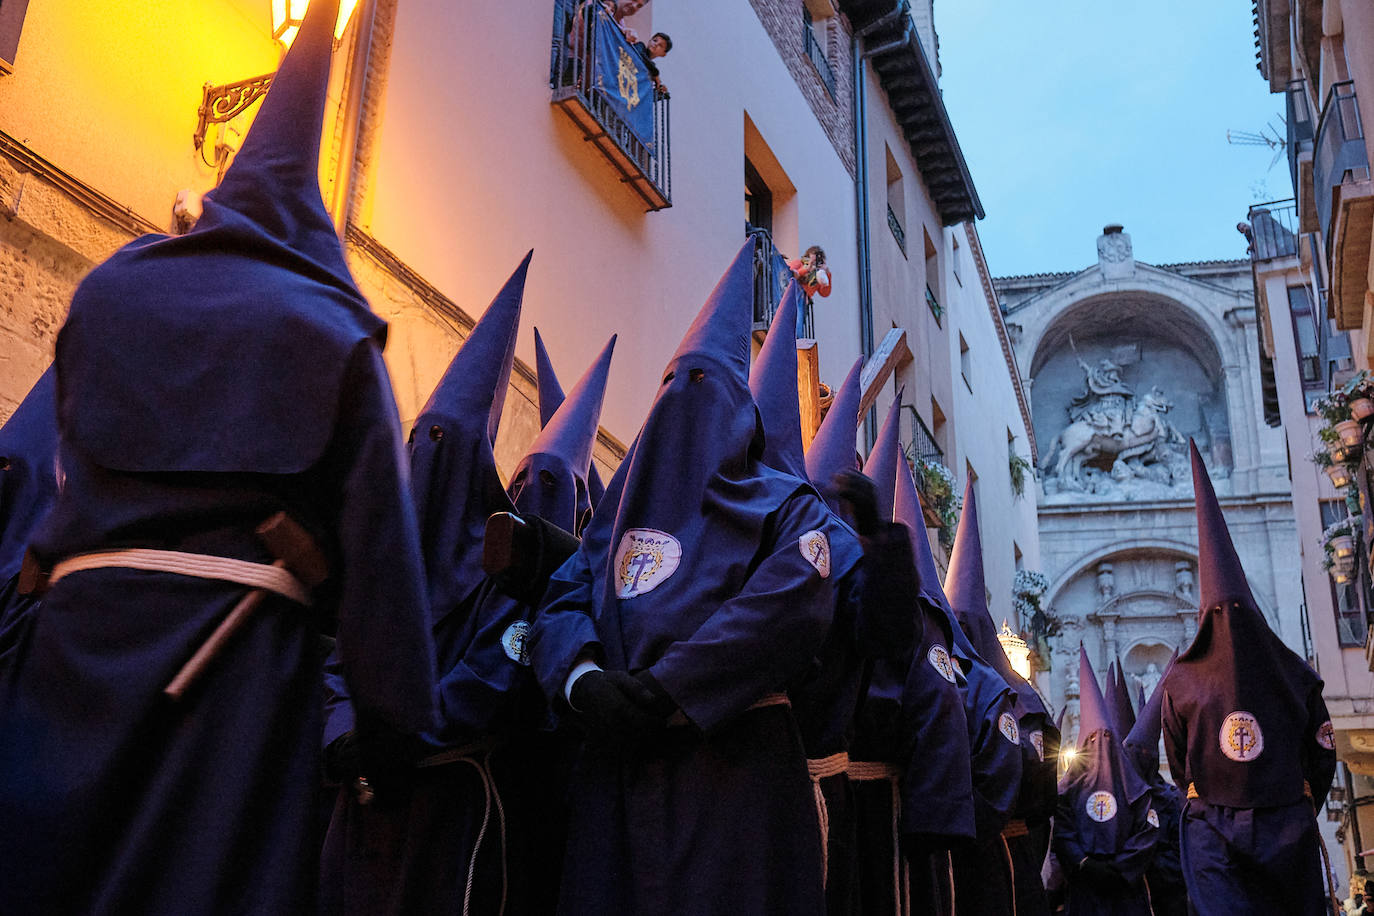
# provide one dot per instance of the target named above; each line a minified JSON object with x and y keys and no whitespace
{"x":663,"y":705}
{"x":614,"y":704}
{"x":862,"y":495}
{"x":1101,"y":875}
{"x":376,"y":761}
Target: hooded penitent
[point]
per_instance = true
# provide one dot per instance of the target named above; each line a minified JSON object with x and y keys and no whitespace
{"x":1243,"y":718}
{"x":1037,"y":796}
{"x":710,"y":573}
{"x":1118,"y":696}
{"x":937,"y":782}
{"x":550,"y":397}
{"x":401,"y":857}
{"x":1103,"y":833}
{"x":28,"y":486}
{"x":552,"y":479}
{"x":205,"y":383}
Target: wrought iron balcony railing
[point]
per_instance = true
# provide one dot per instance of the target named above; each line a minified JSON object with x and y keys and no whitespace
{"x":1274,"y":230}
{"x":898,"y":232}
{"x":922,"y":442}
{"x":1339,"y":154}
{"x":936,"y":308}
{"x":771,"y":278}
{"x":815,"y":51}
{"x":598,"y":80}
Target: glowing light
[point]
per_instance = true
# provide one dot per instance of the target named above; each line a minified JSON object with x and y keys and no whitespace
{"x":287,"y":16}
{"x":1018,"y":653}
{"x":1067,"y":754}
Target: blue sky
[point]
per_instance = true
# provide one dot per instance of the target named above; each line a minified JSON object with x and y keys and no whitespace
{"x":1076,"y":114}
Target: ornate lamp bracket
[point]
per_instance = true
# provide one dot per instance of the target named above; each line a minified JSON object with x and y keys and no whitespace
{"x":224,"y":103}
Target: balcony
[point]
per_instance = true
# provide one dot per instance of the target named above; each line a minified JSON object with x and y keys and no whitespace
{"x":815,"y":52}
{"x":934,"y":305}
{"x":1344,"y":198}
{"x":898,"y":232}
{"x":921,"y":446}
{"x":771,"y":278}
{"x":1273,"y":230}
{"x":1301,"y":130}
{"x":601,"y":82}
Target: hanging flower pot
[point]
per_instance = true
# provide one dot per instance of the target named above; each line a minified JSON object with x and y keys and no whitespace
{"x":1343,"y":546}
{"x":1360,"y":408}
{"x":1350,"y":433}
{"x":1338,"y":452}
{"x":1340,"y":476}
{"x":1340,"y":577}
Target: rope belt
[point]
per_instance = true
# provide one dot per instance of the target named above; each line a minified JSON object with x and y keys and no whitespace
{"x":1015,"y":828}
{"x":478,"y":756}
{"x":869,"y":770}
{"x":771,"y":699}
{"x":467,"y":752}
{"x":196,"y":565}
{"x":819,"y":769}
{"x":1306,"y":790}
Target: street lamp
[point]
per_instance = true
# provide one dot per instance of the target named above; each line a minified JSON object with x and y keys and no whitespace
{"x":287,"y":16}
{"x":1018,"y":653}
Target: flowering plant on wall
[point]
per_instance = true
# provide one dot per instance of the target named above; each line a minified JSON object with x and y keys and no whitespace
{"x":937,"y":485}
{"x":1039,"y":623}
{"x":1340,"y":541}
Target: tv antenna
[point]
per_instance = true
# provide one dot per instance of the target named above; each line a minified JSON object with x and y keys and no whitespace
{"x":1269,"y":135}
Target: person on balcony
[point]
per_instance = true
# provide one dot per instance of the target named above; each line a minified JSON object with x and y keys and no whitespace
{"x":811,"y":272}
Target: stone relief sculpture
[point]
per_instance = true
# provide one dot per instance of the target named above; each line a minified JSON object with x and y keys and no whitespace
{"x":1116,"y":446}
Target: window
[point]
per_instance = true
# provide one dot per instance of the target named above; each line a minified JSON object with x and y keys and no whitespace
{"x":932,"y":277}
{"x":1306,"y":336}
{"x":1348,"y":600}
{"x":954,"y":261}
{"x":938,"y":427}
{"x":814,"y":35}
{"x":965,"y":363}
{"x":11,"y":24}
{"x":896,"y":200}
{"x":758,"y":199}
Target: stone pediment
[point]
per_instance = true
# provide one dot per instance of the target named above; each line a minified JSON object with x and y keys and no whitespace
{"x":1143,"y":604}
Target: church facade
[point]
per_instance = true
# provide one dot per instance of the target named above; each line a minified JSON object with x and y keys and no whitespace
{"x":1125,"y":362}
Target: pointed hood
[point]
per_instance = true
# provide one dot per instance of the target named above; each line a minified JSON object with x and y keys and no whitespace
{"x":1099,"y":824}
{"x":881,"y":466}
{"x":1094,"y":714}
{"x":1142,"y":743}
{"x":967,"y":593}
{"x":907,"y":510}
{"x":1220,"y":576}
{"x":1119,"y":699}
{"x":259,"y":281}
{"x":1237,"y":679}
{"x":722,"y":328}
{"x":453,"y":474}
{"x":832,"y":450}
{"x":273,"y":182}
{"x":773,"y":382}
{"x":550,"y":397}
{"x":689,"y":504}
{"x":551,"y":480}
{"x":28,"y":473}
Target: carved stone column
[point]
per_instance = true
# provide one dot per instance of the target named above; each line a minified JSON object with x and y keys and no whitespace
{"x":1109,"y":640}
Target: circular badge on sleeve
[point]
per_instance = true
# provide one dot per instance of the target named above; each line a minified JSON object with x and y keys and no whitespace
{"x":1006,"y":724}
{"x":939,"y":659}
{"x":514,"y":642}
{"x":1241,"y":739}
{"x":1101,"y":806}
{"x":1326,"y":736}
{"x":815,"y":548}
{"x":645,"y":559}
{"x":1152,"y":817}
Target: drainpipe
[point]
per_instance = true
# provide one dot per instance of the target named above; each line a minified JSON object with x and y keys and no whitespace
{"x":352,"y":115}
{"x":860,"y":114}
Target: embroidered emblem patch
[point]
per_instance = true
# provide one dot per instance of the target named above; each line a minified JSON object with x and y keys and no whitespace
{"x":1038,"y":742}
{"x":815,"y":548}
{"x":939,"y":659}
{"x":1101,"y":806}
{"x":645,"y":560}
{"x":513,"y":641}
{"x":1152,"y":817}
{"x":1241,"y":738}
{"x":1326,"y":736}
{"x":1007,"y":726}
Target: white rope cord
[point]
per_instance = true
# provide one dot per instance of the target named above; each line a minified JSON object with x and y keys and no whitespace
{"x":1011,"y":870}
{"x":196,"y":565}
{"x":483,"y":768}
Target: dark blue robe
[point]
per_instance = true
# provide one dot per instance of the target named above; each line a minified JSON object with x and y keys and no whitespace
{"x":205,"y":383}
